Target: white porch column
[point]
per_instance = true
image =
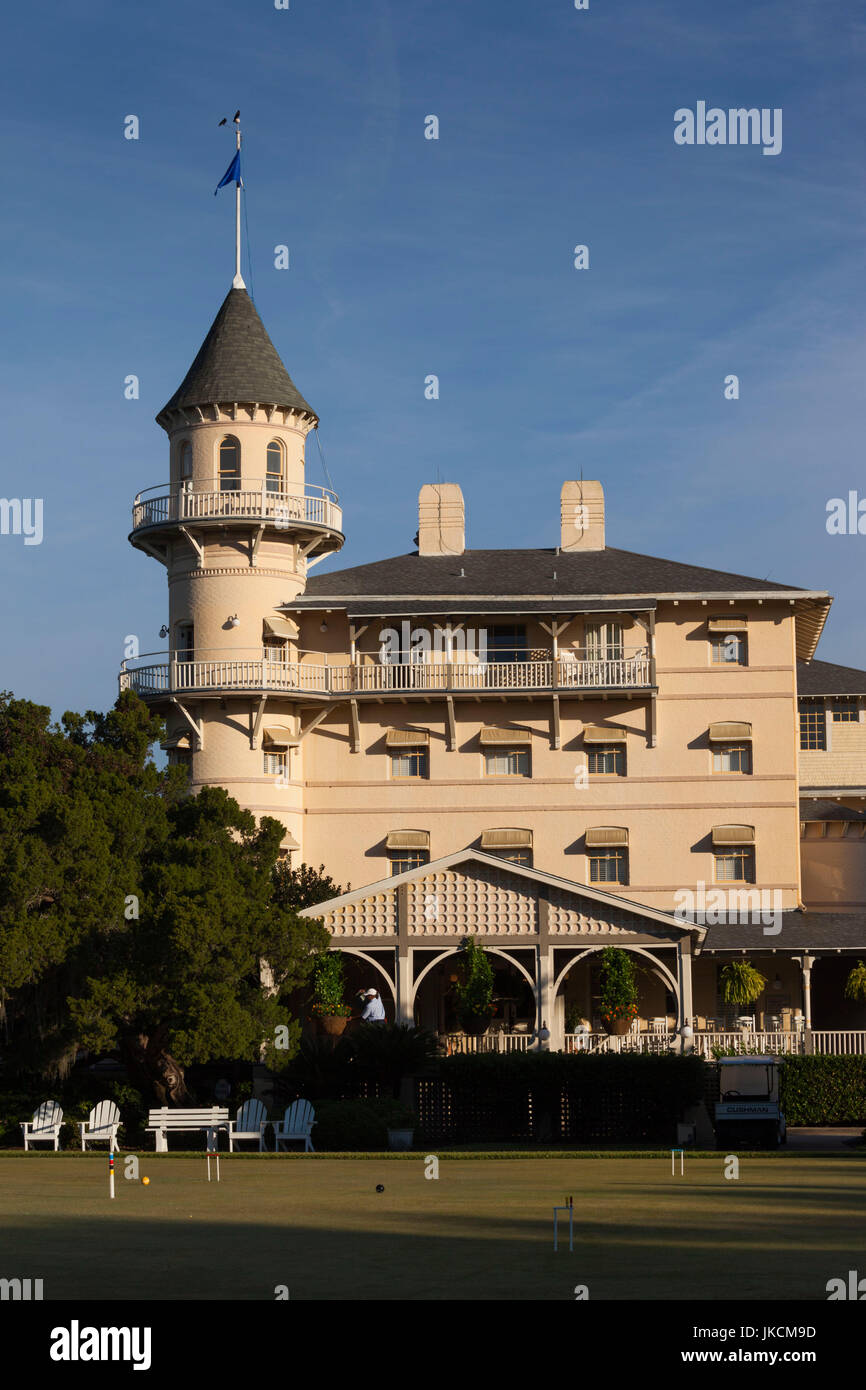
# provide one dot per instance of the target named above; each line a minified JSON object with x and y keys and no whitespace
{"x":684,"y":982}
{"x":544,"y":996}
{"x":405,"y":1012}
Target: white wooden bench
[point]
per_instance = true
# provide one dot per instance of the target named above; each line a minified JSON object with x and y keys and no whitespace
{"x":101,"y":1125}
{"x":297,"y":1123}
{"x":44,"y":1128}
{"x":171,"y":1121}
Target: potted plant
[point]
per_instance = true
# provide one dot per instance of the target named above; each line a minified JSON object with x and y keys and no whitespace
{"x":474,"y":987}
{"x":855,"y":985}
{"x":400,"y":1121}
{"x":617,"y":990}
{"x":740,"y":983}
{"x":329,"y":986}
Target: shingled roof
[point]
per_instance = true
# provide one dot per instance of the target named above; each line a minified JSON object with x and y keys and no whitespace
{"x":237,"y":362}
{"x":537,"y":573}
{"x":823,"y":678}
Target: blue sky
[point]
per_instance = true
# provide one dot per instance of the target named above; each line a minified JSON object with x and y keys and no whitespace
{"x":452,"y":257}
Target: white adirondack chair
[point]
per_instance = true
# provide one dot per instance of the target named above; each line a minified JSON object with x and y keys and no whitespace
{"x":252,"y":1118}
{"x":297,"y":1123}
{"x":44,"y":1128}
{"x":101,"y":1125}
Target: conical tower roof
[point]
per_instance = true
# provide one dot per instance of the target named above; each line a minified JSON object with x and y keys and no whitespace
{"x":237,"y":362}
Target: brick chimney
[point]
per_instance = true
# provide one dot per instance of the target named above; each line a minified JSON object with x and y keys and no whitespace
{"x":581,"y":511}
{"x":441,"y":520}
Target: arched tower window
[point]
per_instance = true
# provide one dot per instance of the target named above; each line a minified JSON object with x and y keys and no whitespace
{"x":230,"y":465}
{"x":276,"y":466}
{"x":186,"y":459}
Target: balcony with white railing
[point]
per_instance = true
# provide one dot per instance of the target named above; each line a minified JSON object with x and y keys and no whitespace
{"x":255,"y":670}
{"x":169,"y":505}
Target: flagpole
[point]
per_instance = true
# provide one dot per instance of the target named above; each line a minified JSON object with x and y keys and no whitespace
{"x":238,"y":283}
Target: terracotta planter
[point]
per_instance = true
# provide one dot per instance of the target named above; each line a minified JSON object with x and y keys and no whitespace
{"x":475,"y":1024}
{"x":333,"y":1025}
{"x":618,"y":1026}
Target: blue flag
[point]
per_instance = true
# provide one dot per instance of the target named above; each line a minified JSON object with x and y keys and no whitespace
{"x":231,"y":175}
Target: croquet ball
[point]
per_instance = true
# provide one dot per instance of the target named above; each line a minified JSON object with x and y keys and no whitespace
{"x":145,"y":1182}
{"x":379,"y":1187}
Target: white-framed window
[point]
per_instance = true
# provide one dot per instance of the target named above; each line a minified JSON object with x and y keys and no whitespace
{"x":180,"y":757}
{"x":735,"y":865}
{"x":732,"y":757}
{"x":276,"y":458}
{"x":604,"y":641}
{"x":846,"y":711}
{"x":230,"y":465}
{"x":409,"y":762}
{"x":813,"y":727}
{"x":275,"y":763}
{"x":507,"y":762}
{"x":729,"y":649}
{"x":402,"y":860}
{"x":513,"y":856}
{"x":276,"y":650}
{"x":606,"y":759}
{"x":608,"y":865}
{"x":186,"y":459}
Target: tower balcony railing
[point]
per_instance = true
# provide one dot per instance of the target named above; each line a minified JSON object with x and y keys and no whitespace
{"x":165,"y":673}
{"x":171,"y":504}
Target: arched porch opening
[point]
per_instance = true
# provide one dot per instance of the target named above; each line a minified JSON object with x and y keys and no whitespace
{"x":434,"y":997}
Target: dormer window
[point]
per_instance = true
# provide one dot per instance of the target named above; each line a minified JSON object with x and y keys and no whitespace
{"x":230,"y":465}
{"x":276,"y":466}
{"x":185,"y":459}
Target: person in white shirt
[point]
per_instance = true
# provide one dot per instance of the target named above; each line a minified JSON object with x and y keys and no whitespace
{"x":374,"y":1009}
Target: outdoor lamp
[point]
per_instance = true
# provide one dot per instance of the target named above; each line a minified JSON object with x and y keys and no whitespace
{"x":323,"y":626}
{"x":235,"y":621}
{"x":163,"y":631}
{"x":686,"y":1032}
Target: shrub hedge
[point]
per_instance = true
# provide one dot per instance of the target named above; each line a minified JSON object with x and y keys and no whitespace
{"x":554,"y":1097}
{"x":823,"y":1090}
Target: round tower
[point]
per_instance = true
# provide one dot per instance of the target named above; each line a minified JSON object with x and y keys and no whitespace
{"x":236,"y":527}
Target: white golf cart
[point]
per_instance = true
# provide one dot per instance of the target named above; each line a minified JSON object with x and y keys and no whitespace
{"x":748,"y":1113}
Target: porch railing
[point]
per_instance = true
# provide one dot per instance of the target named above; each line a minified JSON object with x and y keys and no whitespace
{"x":312,"y":505}
{"x":655,"y":1043}
{"x":844,"y":1042}
{"x":454,"y":1044}
{"x":238,"y":673}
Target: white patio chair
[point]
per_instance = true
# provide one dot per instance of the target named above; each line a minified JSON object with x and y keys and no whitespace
{"x":44,"y":1128}
{"x":297,"y":1123}
{"x":252,"y":1117}
{"x":101,"y":1125}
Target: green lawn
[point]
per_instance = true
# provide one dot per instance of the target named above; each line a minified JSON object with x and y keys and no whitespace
{"x":483,"y":1230}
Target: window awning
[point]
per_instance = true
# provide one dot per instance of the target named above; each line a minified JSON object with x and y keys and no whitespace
{"x":600,"y":835}
{"x":506,"y":839}
{"x":596,"y":733}
{"x":281,"y":627}
{"x":408,"y":839}
{"x":280,"y":738}
{"x":407,"y":738}
{"x":181,"y":740}
{"x":289,"y":842}
{"x":509,"y":737}
{"x":740,"y":624}
{"x":733,"y":834}
{"x":723,"y":733}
